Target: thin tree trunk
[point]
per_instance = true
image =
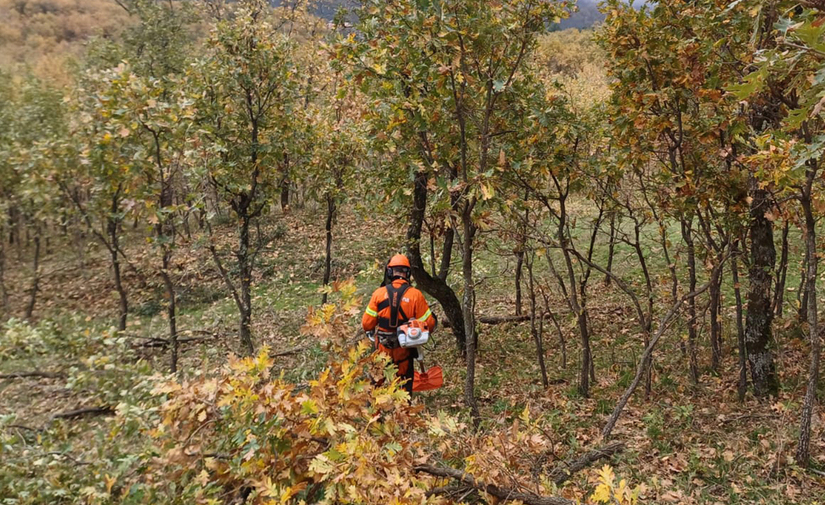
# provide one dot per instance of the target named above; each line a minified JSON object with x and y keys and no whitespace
{"x":110,"y":238}
{"x":121,"y":291}
{"x":328,"y":228}
{"x":671,"y":266}
{"x":4,"y":295}
{"x":687,"y":235}
{"x":468,"y":307}
{"x":538,"y":333}
{"x":584,"y":332}
{"x":17,"y":224}
{"x":519,"y":267}
{"x":171,"y":309}
{"x":548,"y":312}
{"x":802,"y":312}
{"x":434,"y":286}
{"x":646,"y":319}
{"x":715,"y":325}
{"x":781,"y":273}
{"x":285,"y":184}
{"x":35,"y":283}
{"x":803,"y":450}
{"x":245,"y":267}
{"x":740,"y":326}
{"x":432,"y":252}
{"x":562,"y":341}
{"x":645,"y":361}
{"x":572,"y":294}
{"x":801,"y":294}
{"x":758,"y":331}
{"x":446,"y":254}
{"x":611,"y":247}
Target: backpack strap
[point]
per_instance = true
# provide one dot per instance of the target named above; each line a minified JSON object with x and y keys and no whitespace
{"x":394,"y":297}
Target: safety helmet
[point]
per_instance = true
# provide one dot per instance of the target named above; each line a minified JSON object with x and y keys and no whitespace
{"x":398,"y":267}
{"x":399,"y":260}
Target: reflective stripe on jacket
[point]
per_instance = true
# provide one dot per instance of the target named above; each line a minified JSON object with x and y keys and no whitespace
{"x":412,"y":306}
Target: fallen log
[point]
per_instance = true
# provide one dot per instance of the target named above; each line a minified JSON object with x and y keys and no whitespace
{"x":501,"y":493}
{"x":35,"y":374}
{"x":21,"y":427}
{"x":496,"y":319}
{"x":162,"y":342}
{"x":457,"y":492}
{"x":563,"y":471}
{"x":88,"y":411}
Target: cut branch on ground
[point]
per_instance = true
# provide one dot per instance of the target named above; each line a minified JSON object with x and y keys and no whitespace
{"x":34,"y":375}
{"x":567,"y":468}
{"x":503,"y":494}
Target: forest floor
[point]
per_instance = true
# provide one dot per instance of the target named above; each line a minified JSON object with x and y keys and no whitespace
{"x":686,"y":443}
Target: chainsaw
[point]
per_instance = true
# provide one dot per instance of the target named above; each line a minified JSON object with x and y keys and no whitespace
{"x":413,"y":334}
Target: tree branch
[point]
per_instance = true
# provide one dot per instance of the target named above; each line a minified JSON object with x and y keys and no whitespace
{"x":35,"y":374}
{"x":501,"y":493}
{"x":562,"y":472}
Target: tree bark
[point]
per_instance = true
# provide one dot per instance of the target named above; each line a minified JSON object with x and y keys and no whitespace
{"x":171,"y":309}
{"x":646,"y":319}
{"x":519,"y":267}
{"x":536,"y":332}
{"x":35,"y":282}
{"x":446,"y":254}
{"x":572,"y":297}
{"x":758,"y":331}
{"x":740,"y":326}
{"x":781,"y":273}
{"x":803,"y":450}
{"x":687,"y":236}
{"x":559,"y":332}
{"x":436,"y":287}
{"x":468,"y":307}
{"x":111,"y":226}
{"x":285,"y":183}
{"x":802,"y":293}
{"x":4,"y":295}
{"x":328,"y":256}
{"x":715,"y":325}
{"x":245,"y":307}
{"x":611,"y":247}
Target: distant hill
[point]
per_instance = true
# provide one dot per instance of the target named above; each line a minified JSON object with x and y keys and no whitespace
{"x":40,"y":34}
{"x":587,"y":15}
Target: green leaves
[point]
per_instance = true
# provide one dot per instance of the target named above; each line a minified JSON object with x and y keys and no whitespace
{"x":448,"y":82}
{"x":752,"y":84}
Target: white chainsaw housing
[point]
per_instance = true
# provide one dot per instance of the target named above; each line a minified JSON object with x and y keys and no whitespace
{"x":411,"y":336}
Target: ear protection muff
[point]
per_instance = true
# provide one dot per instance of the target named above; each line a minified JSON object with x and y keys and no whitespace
{"x":388,"y":272}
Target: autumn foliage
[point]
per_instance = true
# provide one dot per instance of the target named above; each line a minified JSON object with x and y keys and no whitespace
{"x":245,"y":432}
{"x":350,"y":435}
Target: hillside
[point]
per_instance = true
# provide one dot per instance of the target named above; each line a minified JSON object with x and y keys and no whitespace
{"x":42,"y":33}
{"x":213,"y":214}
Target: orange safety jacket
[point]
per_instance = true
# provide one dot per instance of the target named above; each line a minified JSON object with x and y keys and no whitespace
{"x":412,"y":306}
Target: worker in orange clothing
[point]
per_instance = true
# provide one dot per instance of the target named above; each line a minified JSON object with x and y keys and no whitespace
{"x":393,"y":304}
